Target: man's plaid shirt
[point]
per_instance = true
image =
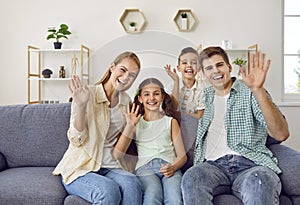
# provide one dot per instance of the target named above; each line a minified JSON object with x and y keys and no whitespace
{"x":244,"y":123}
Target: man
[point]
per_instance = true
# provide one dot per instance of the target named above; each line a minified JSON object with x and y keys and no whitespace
{"x":230,"y":146}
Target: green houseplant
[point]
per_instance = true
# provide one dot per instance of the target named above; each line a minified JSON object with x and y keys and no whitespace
{"x":239,"y":61}
{"x":62,"y":32}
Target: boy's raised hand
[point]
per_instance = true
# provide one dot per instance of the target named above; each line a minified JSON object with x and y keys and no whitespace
{"x":258,"y":71}
{"x":173,"y":74}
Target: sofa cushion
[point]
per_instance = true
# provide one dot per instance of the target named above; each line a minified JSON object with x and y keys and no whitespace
{"x":227,"y":199}
{"x":289,"y":163}
{"x":34,"y":135}
{"x":31,"y":185}
{"x":75,"y":200}
{"x":3,"y":164}
{"x":295,"y":199}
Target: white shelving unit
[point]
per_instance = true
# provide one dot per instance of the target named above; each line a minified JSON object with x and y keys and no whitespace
{"x":55,"y":89}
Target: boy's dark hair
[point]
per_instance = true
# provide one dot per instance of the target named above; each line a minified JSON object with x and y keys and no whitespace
{"x":188,"y":50}
{"x":168,"y":104}
{"x":211,"y":51}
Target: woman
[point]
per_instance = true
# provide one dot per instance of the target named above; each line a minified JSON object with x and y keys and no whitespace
{"x":88,"y":168}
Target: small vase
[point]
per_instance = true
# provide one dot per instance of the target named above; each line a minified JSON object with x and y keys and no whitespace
{"x":184,"y":23}
{"x":132,"y":28}
{"x":62,"y":72}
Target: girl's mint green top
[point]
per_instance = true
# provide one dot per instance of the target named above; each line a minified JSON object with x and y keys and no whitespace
{"x":153,"y":140}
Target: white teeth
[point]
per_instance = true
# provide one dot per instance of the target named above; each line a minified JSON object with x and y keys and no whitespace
{"x":217,"y":77}
{"x":151,"y":103}
{"x":189,"y":71}
{"x":122,"y":82}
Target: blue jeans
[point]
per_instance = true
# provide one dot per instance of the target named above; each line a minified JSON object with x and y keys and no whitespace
{"x":107,"y":186}
{"x":252,"y":184}
{"x":157,"y":188}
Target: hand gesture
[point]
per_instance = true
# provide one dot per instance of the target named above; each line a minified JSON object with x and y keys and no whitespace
{"x":173,"y":74}
{"x":167,"y":170}
{"x":132,"y":116}
{"x":79,"y":93}
{"x":257,"y":73}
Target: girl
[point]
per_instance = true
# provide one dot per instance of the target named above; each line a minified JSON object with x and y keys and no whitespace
{"x":88,"y":168}
{"x":159,"y":144}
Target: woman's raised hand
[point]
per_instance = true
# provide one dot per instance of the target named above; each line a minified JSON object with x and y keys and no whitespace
{"x":79,"y":93}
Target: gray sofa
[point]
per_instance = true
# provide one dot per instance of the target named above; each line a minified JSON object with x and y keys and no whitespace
{"x":33,"y":140}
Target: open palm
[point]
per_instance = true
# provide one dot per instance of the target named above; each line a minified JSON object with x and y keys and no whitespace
{"x":258,"y":71}
{"x":79,"y":93}
{"x":132,"y":116}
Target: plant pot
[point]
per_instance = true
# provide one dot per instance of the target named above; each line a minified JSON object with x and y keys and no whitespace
{"x":132,"y":28}
{"x":57,"y":45}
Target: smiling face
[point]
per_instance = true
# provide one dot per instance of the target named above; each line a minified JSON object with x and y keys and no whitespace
{"x":218,"y":73}
{"x":151,"y":97}
{"x":123,"y":74}
{"x":188,"y":65}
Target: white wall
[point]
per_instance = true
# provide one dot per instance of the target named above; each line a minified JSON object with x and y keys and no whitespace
{"x":95,"y":23}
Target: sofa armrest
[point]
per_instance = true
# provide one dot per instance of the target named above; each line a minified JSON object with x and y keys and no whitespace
{"x":289,"y":163}
{"x":3,"y":164}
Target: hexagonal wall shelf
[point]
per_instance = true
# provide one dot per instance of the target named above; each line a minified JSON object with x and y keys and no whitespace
{"x":132,"y":16}
{"x":185,"y":20}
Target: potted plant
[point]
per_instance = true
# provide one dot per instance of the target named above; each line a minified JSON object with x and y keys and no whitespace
{"x":240,"y":62}
{"x":132,"y":26}
{"x":47,"y":73}
{"x":62,"y":32}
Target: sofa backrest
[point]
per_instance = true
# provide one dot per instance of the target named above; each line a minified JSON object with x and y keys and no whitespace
{"x":34,"y":135}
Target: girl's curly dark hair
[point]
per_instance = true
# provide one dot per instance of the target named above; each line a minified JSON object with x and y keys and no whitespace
{"x":168,"y":104}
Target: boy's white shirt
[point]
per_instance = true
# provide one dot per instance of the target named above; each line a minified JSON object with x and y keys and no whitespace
{"x":198,"y":87}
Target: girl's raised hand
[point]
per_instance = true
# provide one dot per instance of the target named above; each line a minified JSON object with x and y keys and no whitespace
{"x":132,"y":116}
{"x":79,"y":93}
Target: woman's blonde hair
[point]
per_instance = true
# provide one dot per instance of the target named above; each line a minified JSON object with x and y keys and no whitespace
{"x":117,"y":60}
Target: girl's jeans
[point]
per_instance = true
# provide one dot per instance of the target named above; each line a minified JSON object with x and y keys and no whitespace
{"x":157,"y":188}
{"x":252,"y":184}
{"x":107,"y":186}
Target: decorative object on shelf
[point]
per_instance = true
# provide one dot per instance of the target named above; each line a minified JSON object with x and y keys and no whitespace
{"x":132,"y":26}
{"x":47,"y":73}
{"x":240,"y":62}
{"x":74,"y":64}
{"x":62,"y":72}
{"x":185,"y":20}
{"x":62,"y":32}
{"x":130,"y":16}
{"x":227,"y":44}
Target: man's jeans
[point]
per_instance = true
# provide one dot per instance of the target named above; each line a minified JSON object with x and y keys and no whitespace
{"x":157,"y":188}
{"x":108,"y":186}
{"x":252,"y":184}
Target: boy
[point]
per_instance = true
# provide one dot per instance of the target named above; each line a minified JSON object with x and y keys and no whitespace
{"x":189,"y":95}
{"x":230,"y":145}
